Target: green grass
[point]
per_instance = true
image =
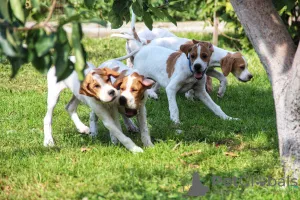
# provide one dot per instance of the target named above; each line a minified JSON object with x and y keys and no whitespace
{"x":30,"y":171}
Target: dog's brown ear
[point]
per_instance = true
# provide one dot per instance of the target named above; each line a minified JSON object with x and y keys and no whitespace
{"x":110,"y":72}
{"x":148,"y":83}
{"x":85,"y":87}
{"x":227,"y":64}
{"x":187,"y":47}
{"x":118,"y":82}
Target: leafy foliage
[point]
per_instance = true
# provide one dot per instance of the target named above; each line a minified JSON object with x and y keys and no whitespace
{"x":44,"y":44}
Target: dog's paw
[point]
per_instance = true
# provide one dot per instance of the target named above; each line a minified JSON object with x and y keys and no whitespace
{"x":232,"y":118}
{"x":114,"y":140}
{"x":152,"y":95}
{"x":49,"y":143}
{"x":84,"y":130}
{"x":132,"y":128}
{"x":147,"y":143}
{"x":220,"y":94}
{"x":190,"y":95}
{"x":136,"y":149}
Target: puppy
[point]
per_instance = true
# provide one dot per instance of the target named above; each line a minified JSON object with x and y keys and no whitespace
{"x":179,"y":72}
{"x":97,"y":92}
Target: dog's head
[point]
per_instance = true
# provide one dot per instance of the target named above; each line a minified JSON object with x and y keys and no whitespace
{"x":237,"y":65}
{"x":199,"y":54}
{"x":132,"y":91}
{"x":97,"y":84}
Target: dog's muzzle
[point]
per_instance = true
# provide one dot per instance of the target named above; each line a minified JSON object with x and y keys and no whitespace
{"x":198,"y":74}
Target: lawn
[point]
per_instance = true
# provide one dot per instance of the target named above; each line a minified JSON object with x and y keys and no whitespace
{"x":104,"y":171}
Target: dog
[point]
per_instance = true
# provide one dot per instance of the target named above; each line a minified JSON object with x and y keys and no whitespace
{"x":97,"y":92}
{"x":132,"y":98}
{"x":233,"y":62}
{"x":179,"y":71}
{"x":136,"y":39}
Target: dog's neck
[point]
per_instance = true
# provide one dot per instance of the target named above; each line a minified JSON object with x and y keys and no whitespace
{"x":217,"y":55}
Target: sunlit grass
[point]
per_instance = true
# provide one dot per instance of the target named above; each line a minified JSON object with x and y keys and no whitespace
{"x":30,"y":171}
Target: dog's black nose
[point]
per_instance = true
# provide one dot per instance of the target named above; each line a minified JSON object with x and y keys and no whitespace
{"x":122,"y":101}
{"x":111,"y":93}
{"x":250,"y":76}
{"x":197,"y":67}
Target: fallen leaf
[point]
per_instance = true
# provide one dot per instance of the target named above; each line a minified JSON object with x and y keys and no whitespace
{"x":231,"y":154}
{"x":85,"y":149}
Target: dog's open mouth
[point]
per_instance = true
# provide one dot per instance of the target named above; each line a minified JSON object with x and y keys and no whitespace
{"x":130,"y":112}
{"x":198,"y":75}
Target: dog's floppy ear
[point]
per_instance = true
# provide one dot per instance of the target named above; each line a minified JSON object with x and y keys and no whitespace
{"x":148,"y":83}
{"x":118,"y":82}
{"x":226,"y":64}
{"x":111,"y":72}
{"x":85,"y":87}
{"x":187,"y":47}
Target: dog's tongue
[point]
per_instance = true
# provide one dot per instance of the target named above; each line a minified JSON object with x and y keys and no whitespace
{"x":198,"y":75}
{"x":130,"y":112}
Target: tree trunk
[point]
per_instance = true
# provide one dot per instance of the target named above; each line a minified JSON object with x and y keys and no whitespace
{"x":276,"y":51}
{"x":216,"y":26}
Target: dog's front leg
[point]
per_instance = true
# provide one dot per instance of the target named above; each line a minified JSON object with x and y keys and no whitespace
{"x":130,"y":126}
{"x":142,"y":120}
{"x":93,"y":124}
{"x":109,"y":123}
{"x":201,"y":93}
{"x":171,"y":90}
{"x":221,"y":78}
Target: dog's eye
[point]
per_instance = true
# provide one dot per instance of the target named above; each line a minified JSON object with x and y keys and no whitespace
{"x":204,"y":56}
{"x":122,"y":89}
{"x":242,"y":67}
{"x":193,"y":56}
{"x":97,"y":86}
{"x":133,"y":90}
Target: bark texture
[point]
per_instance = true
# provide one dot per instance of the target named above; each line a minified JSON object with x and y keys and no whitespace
{"x":276,"y":51}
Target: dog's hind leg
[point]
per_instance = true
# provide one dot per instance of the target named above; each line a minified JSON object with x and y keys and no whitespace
{"x":54,"y":90}
{"x":72,"y":110}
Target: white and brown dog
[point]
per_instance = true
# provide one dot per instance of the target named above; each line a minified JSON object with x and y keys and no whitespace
{"x":131,"y":101}
{"x":97,"y":92}
{"x":179,"y":71}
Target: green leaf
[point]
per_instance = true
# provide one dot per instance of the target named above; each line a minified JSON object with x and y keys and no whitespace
{"x":42,"y":64}
{"x":170,"y":18}
{"x":148,"y":20}
{"x":78,"y":50}
{"x":44,"y":43}
{"x":89,"y":3}
{"x":137,"y":9}
{"x":4,"y":10}
{"x":96,"y":21}
{"x":157,"y":12}
{"x":6,"y":47}
{"x":16,"y":64}
{"x":17,"y":8}
{"x":115,"y":20}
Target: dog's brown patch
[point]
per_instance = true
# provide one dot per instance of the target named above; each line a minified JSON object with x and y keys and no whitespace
{"x":171,"y":62}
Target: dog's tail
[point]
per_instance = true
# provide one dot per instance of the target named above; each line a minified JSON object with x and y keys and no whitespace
{"x":128,"y":55}
{"x":133,"y":20}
